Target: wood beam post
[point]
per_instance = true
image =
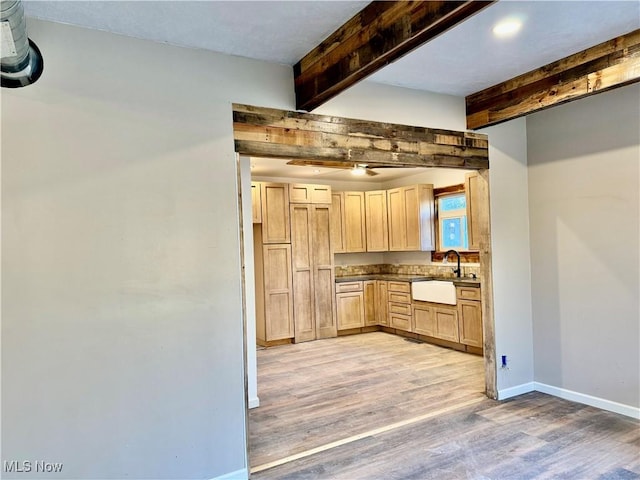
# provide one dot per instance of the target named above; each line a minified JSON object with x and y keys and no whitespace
{"x":376,"y":36}
{"x":597,"y":69}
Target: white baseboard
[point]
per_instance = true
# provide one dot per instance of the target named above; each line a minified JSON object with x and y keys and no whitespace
{"x":237,"y":475}
{"x":254,"y":402}
{"x":515,"y":391}
{"x":585,"y":399}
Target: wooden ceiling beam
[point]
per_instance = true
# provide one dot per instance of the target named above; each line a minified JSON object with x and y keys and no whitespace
{"x":267,"y":132}
{"x":379,"y":34}
{"x":597,"y":69}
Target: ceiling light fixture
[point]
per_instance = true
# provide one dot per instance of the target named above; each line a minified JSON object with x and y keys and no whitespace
{"x":359,"y":170}
{"x":507,"y":28}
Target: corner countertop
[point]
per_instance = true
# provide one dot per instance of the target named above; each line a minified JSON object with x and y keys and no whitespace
{"x":396,"y":277}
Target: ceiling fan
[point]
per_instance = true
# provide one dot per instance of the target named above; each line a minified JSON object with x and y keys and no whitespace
{"x":355,"y":167}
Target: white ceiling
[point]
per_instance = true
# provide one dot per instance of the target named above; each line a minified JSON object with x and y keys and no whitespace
{"x":463,"y":60}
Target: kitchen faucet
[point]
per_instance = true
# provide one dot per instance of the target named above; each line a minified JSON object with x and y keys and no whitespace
{"x":457,"y":271}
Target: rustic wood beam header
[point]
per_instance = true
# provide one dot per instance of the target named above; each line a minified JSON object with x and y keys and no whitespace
{"x":597,"y":69}
{"x":272,"y":133}
{"x":376,"y":36}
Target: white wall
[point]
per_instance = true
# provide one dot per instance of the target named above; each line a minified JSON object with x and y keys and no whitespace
{"x":509,"y":206}
{"x":121,"y":316}
{"x":584,"y":167}
{"x":510,"y":249}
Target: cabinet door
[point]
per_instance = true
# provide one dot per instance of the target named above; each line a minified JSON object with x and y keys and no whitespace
{"x":376,"y":221}
{"x":323,"y":272}
{"x":350,"y":309}
{"x":302,"y":272}
{"x":275,"y":213}
{"x":278,"y":291}
{"x":370,"y":303}
{"x":396,"y":220}
{"x":382,"y":304}
{"x":354,"y":222}
{"x":256,"y":202}
{"x":470,"y":322}
{"x":411,"y":202}
{"x":446,"y":320}
{"x":471,"y":190}
{"x":424,"y":320}
{"x":337,"y":222}
{"x":307,"y":193}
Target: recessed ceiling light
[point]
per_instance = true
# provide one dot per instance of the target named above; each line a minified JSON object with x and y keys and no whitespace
{"x":507,"y":28}
{"x":316,"y":170}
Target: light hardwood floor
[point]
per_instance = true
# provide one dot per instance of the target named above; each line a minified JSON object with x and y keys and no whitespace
{"x":376,"y":406}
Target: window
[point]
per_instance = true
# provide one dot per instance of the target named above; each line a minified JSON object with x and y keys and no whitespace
{"x":452,"y":222}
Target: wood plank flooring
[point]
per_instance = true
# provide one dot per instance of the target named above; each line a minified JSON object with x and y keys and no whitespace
{"x":376,"y":391}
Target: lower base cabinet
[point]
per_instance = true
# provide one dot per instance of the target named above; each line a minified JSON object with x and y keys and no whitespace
{"x":470,"y":323}
{"x":436,"y":320}
{"x":350,"y":305}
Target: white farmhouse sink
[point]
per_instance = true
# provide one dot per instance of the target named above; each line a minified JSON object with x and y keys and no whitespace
{"x":436,"y":291}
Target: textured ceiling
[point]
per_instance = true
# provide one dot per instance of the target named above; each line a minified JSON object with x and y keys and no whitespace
{"x":461,"y":61}
{"x":275,"y":31}
{"x":470,"y":58}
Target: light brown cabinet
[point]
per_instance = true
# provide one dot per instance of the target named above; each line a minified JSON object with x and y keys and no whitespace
{"x":376,"y":221}
{"x":436,"y":320}
{"x":256,"y":202}
{"x":274,"y":290}
{"x":471,"y":189}
{"x":275,"y":212}
{"x":446,"y":320}
{"x":307,"y":193}
{"x":411,"y":211}
{"x":313,"y":272}
{"x":382,"y":302}
{"x":337,"y":222}
{"x":424,"y":320}
{"x":370,"y":304}
{"x":354,"y":222}
{"x":399,"y":305}
{"x":470,"y":316}
{"x":350,"y":305}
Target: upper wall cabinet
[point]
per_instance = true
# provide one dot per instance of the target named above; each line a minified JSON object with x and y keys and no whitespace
{"x":354,"y":222}
{"x":275,"y":213}
{"x":376,"y":221}
{"x":337,"y":222}
{"x":411,"y":218}
{"x":304,"y":193}
{"x":471,"y":189}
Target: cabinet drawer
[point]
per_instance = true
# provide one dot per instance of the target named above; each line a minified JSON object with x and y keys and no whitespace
{"x":468,"y":293}
{"x":399,"y":321}
{"x":347,"y":287}
{"x":399,"y":287}
{"x":399,"y":297}
{"x":402,"y":308}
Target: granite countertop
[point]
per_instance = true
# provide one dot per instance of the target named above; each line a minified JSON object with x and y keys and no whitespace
{"x":396,"y":277}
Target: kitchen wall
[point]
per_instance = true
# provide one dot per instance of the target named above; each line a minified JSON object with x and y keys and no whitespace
{"x":122,"y":339}
{"x":584,"y":175}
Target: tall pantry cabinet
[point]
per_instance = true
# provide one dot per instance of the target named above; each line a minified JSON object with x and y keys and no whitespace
{"x":313,"y":272}
{"x":294,"y":263}
{"x":272,"y":257}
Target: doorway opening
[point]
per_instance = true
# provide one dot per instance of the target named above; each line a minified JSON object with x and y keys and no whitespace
{"x":327,"y":393}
